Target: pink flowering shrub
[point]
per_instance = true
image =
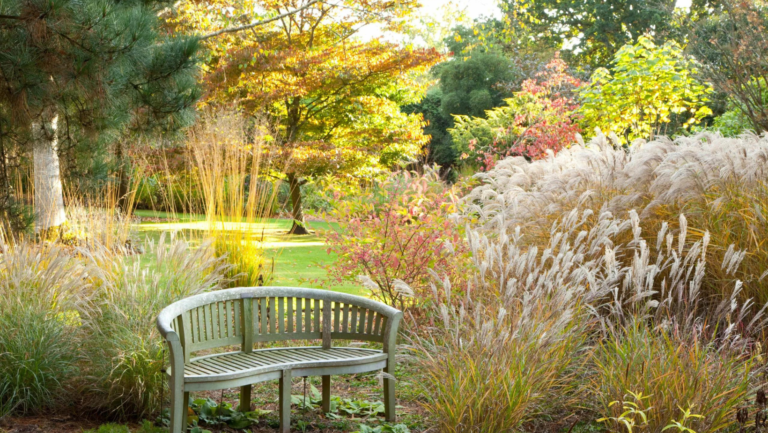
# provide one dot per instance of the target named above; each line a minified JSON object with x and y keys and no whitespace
{"x":391,"y":236}
{"x":539,"y":118}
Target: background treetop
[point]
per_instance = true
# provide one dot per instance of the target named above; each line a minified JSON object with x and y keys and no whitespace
{"x":332,"y":97}
{"x":592,"y":31}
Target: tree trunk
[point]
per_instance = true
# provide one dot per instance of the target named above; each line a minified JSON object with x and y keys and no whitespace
{"x":298,"y":227}
{"x":49,"y":199}
{"x":123,"y":175}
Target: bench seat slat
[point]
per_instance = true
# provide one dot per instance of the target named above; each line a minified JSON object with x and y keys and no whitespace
{"x":239,"y":364}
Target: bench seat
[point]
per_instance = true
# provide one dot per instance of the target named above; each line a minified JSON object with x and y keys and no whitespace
{"x":236,"y":365}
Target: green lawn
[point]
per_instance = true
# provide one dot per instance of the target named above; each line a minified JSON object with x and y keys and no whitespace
{"x":296,"y":257}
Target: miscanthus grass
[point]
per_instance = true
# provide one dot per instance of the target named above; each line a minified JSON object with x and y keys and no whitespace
{"x":585,"y":258}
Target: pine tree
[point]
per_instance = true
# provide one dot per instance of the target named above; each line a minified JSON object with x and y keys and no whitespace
{"x":89,"y":71}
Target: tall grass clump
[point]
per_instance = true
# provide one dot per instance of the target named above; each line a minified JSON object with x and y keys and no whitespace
{"x":493,"y":369}
{"x":616,"y":260}
{"x":231,"y":159}
{"x":676,"y":372}
{"x":124,"y":350}
{"x":39,"y":285}
{"x":514,"y":345}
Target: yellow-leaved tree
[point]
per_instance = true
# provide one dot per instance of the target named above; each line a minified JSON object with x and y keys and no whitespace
{"x":650,"y":90}
{"x":333,"y":95}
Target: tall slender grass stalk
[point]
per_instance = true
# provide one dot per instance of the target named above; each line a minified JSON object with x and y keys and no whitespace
{"x":231,"y":161}
{"x":96,"y":219}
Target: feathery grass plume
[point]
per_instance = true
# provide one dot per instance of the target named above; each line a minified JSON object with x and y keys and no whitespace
{"x":125,"y":353}
{"x":720,"y":184}
{"x":39,"y":287}
{"x":231,"y":159}
{"x":514,"y":346}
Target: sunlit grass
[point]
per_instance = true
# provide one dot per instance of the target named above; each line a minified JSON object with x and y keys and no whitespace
{"x":296,"y":258}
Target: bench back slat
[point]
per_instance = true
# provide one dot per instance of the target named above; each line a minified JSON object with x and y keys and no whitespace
{"x":244,"y":316}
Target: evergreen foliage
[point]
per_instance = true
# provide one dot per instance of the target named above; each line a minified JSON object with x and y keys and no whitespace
{"x":102,"y":64}
{"x":468,"y":85}
{"x":104,"y":67}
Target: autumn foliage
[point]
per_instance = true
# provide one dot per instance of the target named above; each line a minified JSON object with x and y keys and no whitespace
{"x":334,"y":98}
{"x":390,"y":237}
{"x":538,"y":119}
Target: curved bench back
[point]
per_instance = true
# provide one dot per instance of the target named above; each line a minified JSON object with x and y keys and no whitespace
{"x":247,"y":315}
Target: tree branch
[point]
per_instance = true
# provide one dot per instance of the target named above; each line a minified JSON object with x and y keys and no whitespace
{"x":257,"y":23}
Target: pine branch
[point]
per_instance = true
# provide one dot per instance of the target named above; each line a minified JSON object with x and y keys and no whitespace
{"x":257,"y":23}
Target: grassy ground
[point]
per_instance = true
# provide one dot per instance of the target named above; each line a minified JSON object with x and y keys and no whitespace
{"x":296,"y":258}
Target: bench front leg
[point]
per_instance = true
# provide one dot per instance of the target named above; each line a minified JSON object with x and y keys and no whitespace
{"x":179,"y":398}
{"x":285,"y":402}
{"x":390,"y":347}
{"x":389,"y":393}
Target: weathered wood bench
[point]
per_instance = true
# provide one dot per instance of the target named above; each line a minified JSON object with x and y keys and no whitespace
{"x":244,"y":316}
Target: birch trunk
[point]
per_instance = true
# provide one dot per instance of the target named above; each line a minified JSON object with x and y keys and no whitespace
{"x":49,"y":199}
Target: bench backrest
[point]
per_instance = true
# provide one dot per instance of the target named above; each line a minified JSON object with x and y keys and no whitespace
{"x":249,"y":315}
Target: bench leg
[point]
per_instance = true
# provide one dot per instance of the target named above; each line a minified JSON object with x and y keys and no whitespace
{"x":245,"y":398}
{"x":389,"y":396}
{"x":326,"y":394}
{"x":178,"y":406}
{"x":285,"y":402}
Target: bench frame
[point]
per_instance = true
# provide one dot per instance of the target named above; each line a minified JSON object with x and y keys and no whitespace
{"x":247,"y":315}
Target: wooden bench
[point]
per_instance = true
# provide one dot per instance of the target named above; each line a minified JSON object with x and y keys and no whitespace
{"x":244,"y":316}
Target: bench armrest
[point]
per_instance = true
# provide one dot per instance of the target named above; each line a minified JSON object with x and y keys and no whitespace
{"x":390,"y":333}
{"x":167,"y":332}
{"x":164,"y":321}
{"x":170,"y":336}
